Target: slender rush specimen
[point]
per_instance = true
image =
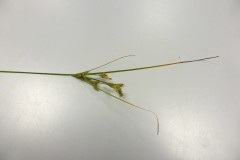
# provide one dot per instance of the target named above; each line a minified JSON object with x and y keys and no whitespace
{"x":104,"y":79}
{"x":124,"y":70}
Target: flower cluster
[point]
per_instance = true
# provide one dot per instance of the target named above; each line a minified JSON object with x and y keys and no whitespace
{"x":105,"y":80}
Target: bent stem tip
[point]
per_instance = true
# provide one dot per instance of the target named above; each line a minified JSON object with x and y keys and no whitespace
{"x":133,"y":105}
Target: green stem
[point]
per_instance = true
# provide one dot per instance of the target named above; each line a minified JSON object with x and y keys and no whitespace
{"x":161,"y":65}
{"x":97,"y":80}
{"x":56,"y":74}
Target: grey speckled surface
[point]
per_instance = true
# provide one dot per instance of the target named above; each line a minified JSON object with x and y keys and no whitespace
{"x":50,"y":117}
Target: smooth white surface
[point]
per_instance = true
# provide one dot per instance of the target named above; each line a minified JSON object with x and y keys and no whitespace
{"x":51,"y":117}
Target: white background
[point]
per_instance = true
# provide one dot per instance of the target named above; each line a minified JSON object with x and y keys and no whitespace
{"x":53,"y":117}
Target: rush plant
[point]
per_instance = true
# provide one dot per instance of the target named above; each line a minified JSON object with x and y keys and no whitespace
{"x":99,"y":79}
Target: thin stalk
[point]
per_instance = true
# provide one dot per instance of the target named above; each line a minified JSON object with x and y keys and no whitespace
{"x":91,"y":81}
{"x":161,"y":65}
{"x":98,"y":80}
{"x":56,"y":74}
{"x":109,"y":62}
{"x":133,"y":106}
